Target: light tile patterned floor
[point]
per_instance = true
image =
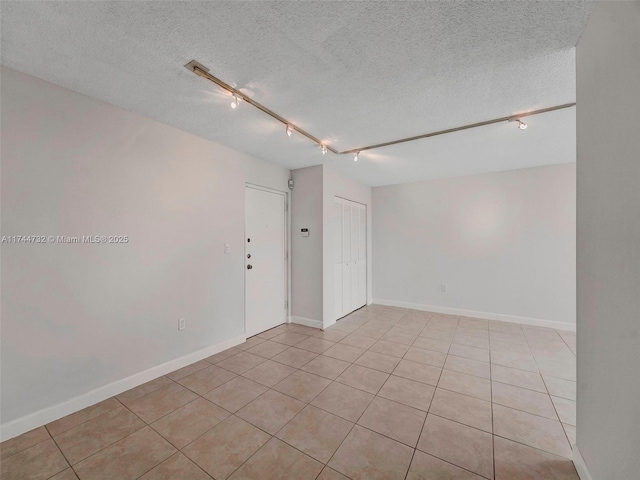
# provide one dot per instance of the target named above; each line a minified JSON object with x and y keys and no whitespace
{"x":385,"y":393}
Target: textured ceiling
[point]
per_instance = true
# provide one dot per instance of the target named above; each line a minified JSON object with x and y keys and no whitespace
{"x":351,"y":73}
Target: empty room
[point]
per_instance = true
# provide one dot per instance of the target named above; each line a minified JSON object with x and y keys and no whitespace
{"x":320,"y":240}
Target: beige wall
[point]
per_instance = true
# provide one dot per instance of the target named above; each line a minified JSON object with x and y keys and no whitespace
{"x":608,"y":84}
{"x":76,"y":317}
{"x":502,"y":243}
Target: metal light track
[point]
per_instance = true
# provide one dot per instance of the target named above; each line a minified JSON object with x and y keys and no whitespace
{"x":203,"y":72}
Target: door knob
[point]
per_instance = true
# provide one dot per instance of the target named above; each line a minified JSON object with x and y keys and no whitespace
{"x":248,"y":255}
{"x":249,"y":267}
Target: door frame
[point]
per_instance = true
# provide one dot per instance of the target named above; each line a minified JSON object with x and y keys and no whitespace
{"x":287,"y":242}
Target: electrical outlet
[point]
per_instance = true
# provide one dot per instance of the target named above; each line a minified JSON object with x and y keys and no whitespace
{"x":443,"y":287}
{"x":182,"y":323}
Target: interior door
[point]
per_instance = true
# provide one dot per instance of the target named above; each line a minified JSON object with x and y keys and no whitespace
{"x":265,"y":264}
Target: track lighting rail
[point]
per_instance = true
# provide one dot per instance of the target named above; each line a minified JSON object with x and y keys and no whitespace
{"x":203,"y":72}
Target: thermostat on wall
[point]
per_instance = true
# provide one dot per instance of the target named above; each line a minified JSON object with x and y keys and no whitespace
{"x":304,"y":232}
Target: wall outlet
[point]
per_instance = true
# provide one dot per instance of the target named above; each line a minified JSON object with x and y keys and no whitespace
{"x":182,"y":323}
{"x":443,"y":288}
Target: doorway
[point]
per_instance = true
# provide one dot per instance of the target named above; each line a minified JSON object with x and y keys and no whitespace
{"x":265,"y":259}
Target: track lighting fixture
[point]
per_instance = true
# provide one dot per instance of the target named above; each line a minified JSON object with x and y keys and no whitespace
{"x":238,"y":96}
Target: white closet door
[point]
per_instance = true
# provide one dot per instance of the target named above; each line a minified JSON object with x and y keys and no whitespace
{"x":362,"y":256}
{"x":338,"y":248}
{"x":350,"y":261}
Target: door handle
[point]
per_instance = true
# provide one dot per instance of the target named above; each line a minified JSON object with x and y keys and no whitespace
{"x":249,"y":267}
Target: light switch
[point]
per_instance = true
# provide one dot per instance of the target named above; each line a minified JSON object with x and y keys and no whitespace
{"x":304,"y":232}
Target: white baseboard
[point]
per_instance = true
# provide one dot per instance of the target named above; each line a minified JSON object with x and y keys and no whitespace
{"x":309,"y":322}
{"x":538,"y":322}
{"x":46,"y":415}
{"x":581,"y":466}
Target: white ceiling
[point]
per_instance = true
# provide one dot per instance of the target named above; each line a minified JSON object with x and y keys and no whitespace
{"x":351,"y":73}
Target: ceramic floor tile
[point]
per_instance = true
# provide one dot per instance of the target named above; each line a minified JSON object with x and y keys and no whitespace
{"x":389,"y":348}
{"x":330,"y":474}
{"x":316,"y":345}
{"x":38,"y":462}
{"x":538,"y":432}
{"x":427,"y":467}
{"x":363,"y":378}
{"x":559,"y":387}
{"x":225,"y":447}
{"x":344,"y":352}
{"x":274,"y":332}
{"x":295,"y":357}
{"x":518,"y":378}
{"x":207,"y":379}
{"x":326,"y":367}
{"x":461,"y":445}
{"x":566,"y":410}
{"x":378,"y":361}
{"x":236,"y":393}
{"x":462,"y":408}
{"x":176,"y":467}
{"x":188,"y":370}
{"x":250,"y":342}
{"x":519,"y":360}
{"x":466,"y":384}
{"x":468,"y":366}
{"x":331,"y":335}
{"x":278,"y":461}
{"x":144,"y":389}
{"x":289,"y":338}
{"x":70,"y":421}
{"x":218,"y":357}
{"x":22,"y":442}
{"x":302,"y":385}
{"x":563,"y":369}
{"x":468,"y":340}
{"x":241,"y":362}
{"x":67,"y":474}
{"x":315,"y":432}
{"x":408,"y":392}
{"x":393,"y":420}
{"x":269,"y":373}
{"x":570,"y":430}
{"x":515,"y":461}
{"x":342,"y":400}
{"x":359,"y":341}
{"x":427,"y":343}
{"x":160,"y":402}
{"x":268,"y":349}
{"x":473,"y":353}
{"x":366,"y":455}
{"x":187,"y":423}
{"x":92,"y":436}
{"x":523,"y":399}
{"x":418,"y":371}
{"x":270,"y":411}
{"x":427,"y":357}
{"x":127,"y":459}
{"x":400,"y":338}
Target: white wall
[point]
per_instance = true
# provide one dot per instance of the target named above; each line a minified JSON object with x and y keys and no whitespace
{"x":306,"y":252}
{"x":608,"y":88}
{"x":502,"y":243}
{"x":337,"y":185}
{"x":76,"y":317}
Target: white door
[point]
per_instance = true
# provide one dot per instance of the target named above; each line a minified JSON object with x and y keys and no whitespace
{"x":350,"y":261}
{"x":265,"y":265}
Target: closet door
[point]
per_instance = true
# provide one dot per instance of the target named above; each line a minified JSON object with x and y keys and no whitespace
{"x":346,"y":257}
{"x":355,"y":247}
{"x":338,"y":290}
{"x":362,"y":256}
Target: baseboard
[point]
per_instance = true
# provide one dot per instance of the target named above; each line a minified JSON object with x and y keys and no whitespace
{"x":581,"y":466}
{"x":46,"y":415}
{"x":309,"y":322}
{"x":538,"y":322}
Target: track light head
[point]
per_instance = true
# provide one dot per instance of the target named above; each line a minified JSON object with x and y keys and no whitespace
{"x":324,"y":149}
{"x":289,"y":130}
{"x":355,"y":157}
{"x":522,"y":125}
{"x":235,"y":102}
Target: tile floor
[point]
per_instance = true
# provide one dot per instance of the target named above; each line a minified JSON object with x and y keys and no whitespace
{"x":386,"y":393}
